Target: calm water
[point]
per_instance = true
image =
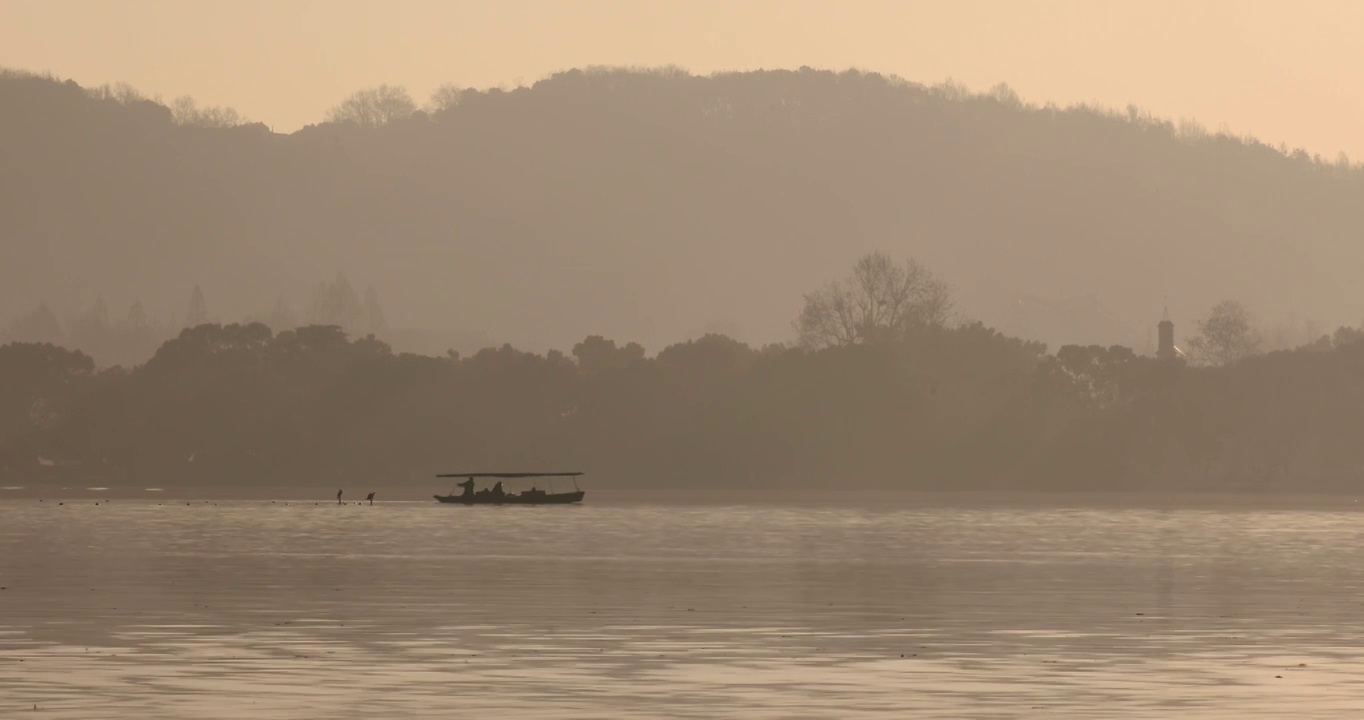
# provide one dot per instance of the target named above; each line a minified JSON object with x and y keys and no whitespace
{"x":131,"y":609}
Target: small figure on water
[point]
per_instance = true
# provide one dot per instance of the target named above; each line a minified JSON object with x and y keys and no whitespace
{"x":338,"y":497}
{"x":370,"y":498}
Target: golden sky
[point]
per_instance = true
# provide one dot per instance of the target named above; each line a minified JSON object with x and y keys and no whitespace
{"x":1284,"y":71}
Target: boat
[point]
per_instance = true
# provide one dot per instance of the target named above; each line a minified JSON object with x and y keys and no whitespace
{"x":496,"y":495}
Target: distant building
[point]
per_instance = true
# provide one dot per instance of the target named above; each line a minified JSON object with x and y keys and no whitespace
{"x":1165,"y":348}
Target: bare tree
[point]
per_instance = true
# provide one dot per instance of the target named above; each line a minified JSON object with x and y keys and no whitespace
{"x":137,"y":316}
{"x":198,"y":310}
{"x":336,"y":303}
{"x":39,"y":326}
{"x":445,"y":97}
{"x":877,"y":302}
{"x":378,"y":323}
{"x":121,"y":93}
{"x":1225,"y":336}
{"x":185,"y":111}
{"x":282,"y":317}
{"x":374,"y":106}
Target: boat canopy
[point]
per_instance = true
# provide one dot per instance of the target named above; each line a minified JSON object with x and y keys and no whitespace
{"x":509,"y":475}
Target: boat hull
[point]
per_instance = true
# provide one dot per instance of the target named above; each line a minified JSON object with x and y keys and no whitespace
{"x":547,"y":499}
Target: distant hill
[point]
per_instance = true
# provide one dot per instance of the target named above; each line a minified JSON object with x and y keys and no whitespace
{"x":653,"y":205}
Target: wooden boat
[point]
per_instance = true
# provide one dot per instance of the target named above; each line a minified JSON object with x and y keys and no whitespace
{"x":496,"y":495}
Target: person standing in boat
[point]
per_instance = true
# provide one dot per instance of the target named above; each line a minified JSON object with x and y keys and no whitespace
{"x":468,"y":486}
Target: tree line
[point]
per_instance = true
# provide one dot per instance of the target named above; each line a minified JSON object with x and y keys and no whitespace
{"x":131,"y":339}
{"x":883,"y":388}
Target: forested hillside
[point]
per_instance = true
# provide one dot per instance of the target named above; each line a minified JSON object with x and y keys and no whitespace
{"x":656,"y":205}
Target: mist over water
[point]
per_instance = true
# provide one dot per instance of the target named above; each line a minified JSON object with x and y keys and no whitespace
{"x":131,"y":609}
{"x":891,"y":396}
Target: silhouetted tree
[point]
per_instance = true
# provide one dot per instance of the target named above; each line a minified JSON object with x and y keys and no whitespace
{"x":1094,"y":376}
{"x":336,"y":303}
{"x":187,"y":112}
{"x":197,"y":313}
{"x":1346,"y":336}
{"x":876,"y":303}
{"x":38,"y":326}
{"x":374,"y":313}
{"x":282,"y":317}
{"x":596,"y":354}
{"x":137,"y":315}
{"x":1225,"y":336}
{"x":374,"y":106}
{"x":121,"y":93}
{"x":91,"y":329}
{"x":36,"y":382}
{"x":445,"y":97}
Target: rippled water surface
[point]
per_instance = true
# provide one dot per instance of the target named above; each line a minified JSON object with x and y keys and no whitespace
{"x":133,"y":609}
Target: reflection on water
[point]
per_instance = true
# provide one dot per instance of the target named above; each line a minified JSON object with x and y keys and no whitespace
{"x":134,"y":609}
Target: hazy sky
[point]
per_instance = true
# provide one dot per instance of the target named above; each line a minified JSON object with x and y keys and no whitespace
{"x":1284,"y":71}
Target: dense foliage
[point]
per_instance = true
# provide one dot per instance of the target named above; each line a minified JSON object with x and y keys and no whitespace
{"x":937,"y":407}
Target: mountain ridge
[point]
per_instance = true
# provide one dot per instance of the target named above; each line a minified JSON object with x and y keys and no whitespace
{"x":650,"y":205}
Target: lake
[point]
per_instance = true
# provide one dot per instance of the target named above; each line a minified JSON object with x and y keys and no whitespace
{"x":138,"y":608}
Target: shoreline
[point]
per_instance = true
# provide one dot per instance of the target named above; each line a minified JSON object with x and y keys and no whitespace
{"x":767,"y":497}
